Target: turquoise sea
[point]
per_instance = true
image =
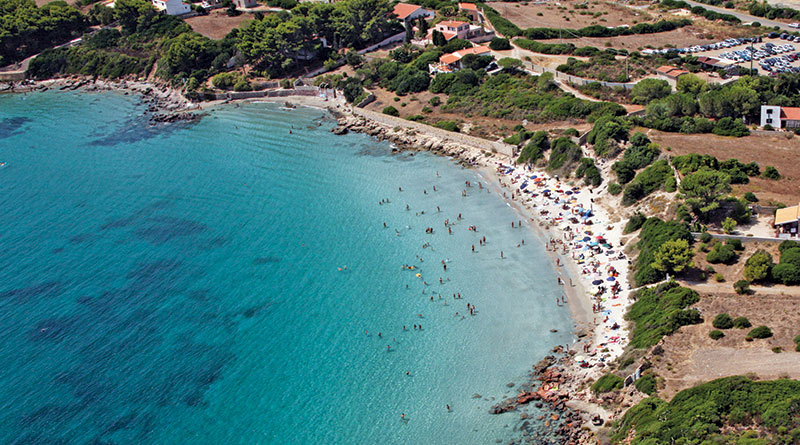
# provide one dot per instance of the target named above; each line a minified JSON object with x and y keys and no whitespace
{"x":180,"y":284}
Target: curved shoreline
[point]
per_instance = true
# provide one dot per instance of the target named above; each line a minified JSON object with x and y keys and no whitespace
{"x":166,"y":99}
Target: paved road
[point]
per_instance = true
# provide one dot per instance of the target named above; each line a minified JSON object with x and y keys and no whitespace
{"x":742,"y":16}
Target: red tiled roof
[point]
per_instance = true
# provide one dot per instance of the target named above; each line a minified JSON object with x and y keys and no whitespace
{"x":791,"y":113}
{"x":403,"y":10}
{"x":468,"y":6}
{"x":474,"y":50}
{"x":449,"y":35}
{"x":449,"y":58}
{"x":666,"y":69}
{"x":452,"y":23}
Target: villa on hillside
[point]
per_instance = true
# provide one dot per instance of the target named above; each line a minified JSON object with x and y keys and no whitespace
{"x":172,"y":7}
{"x":780,"y":117}
{"x":454,"y":29}
{"x":787,"y":221}
{"x":471,"y":10}
{"x":450,"y":63}
{"x":407,"y":11}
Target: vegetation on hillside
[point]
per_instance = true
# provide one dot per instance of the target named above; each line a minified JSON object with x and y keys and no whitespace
{"x":701,"y":414}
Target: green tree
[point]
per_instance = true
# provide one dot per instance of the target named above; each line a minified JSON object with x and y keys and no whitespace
{"x":704,"y":187}
{"x":758,"y":266}
{"x":510,"y":63}
{"x":691,"y":84}
{"x":673,"y":256}
{"x":648,"y":89}
{"x":438,"y":38}
{"x":132,"y":13}
{"x":187,"y":52}
{"x":422,"y":26}
{"x":729,"y":225}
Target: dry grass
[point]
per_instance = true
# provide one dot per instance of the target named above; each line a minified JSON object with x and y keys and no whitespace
{"x":554,"y":16}
{"x":780,"y":151}
{"x":217,"y":24}
{"x":484,"y":127}
{"x":691,"y":357}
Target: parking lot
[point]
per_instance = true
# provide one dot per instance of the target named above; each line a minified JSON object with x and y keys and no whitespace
{"x":767,"y":55}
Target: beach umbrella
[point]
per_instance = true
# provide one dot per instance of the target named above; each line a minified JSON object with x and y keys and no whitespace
{"x":611,"y":279}
{"x":597,"y":282}
{"x":568,"y":192}
{"x":586,"y":238}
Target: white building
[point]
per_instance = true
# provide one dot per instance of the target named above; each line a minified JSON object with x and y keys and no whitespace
{"x":245,"y":3}
{"x":172,"y":7}
{"x":780,"y":117}
{"x":406,"y":11}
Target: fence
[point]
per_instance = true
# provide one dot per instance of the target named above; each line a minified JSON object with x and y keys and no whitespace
{"x":399,"y":37}
{"x":299,"y":91}
{"x":576,"y":80}
{"x":449,"y":136}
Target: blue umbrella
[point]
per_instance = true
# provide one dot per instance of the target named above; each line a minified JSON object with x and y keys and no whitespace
{"x":611,"y":279}
{"x":586,"y":238}
{"x":596,"y":282}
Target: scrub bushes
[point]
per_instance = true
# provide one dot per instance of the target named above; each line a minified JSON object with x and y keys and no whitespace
{"x":646,"y":384}
{"x":660,"y":311}
{"x":741,"y":323}
{"x":607,"y":383}
{"x":722,"y":321}
{"x":646,"y":182}
{"x":716,"y":335}
{"x":760,"y":332}
{"x":699,"y":414}
{"x":655,"y":232}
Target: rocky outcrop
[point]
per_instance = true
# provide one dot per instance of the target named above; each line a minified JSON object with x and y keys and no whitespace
{"x":407,"y":138}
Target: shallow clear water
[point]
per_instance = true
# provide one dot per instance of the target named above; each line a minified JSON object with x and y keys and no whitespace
{"x":180,"y":284}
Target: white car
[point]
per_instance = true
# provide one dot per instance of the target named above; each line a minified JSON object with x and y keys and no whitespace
{"x":794,"y":25}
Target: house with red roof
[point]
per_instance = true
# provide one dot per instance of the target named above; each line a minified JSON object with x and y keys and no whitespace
{"x":780,"y":117}
{"x":407,"y":11}
{"x":449,"y":63}
{"x":470,"y":10}
{"x":670,"y":72}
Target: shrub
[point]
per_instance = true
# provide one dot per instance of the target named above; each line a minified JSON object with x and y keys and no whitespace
{"x":742,"y":287}
{"x":607,"y":383}
{"x":705,"y":237}
{"x":391,"y":111}
{"x":634,"y":223}
{"x":614,"y":188}
{"x":242,"y":85}
{"x":729,"y":225}
{"x":791,"y":256}
{"x":760,"y":332}
{"x":646,"y":182}
{"x":728,"y":126}
{"x":771,"y":173}
{"x":736,"y":243}
{"x":448,"y":125}
{"x":758,"y":266}
{"x":722,"y":321}
{"x":435,"y":101}
{"x":750,"y":197}
{"x":719,"y":278}
{"x":741,"y":323}
{"x":714,"y":412}
{"x":535,"y":148}
{"x":786,"y":273}
{"x":788,"y":244}
{"x":721,"y":253}
{"x":716,"y":335}
{"x":225,"y":81}
{"x":499,"y":44}
{"x":646,"y":384}
{"x":660,"y":311}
